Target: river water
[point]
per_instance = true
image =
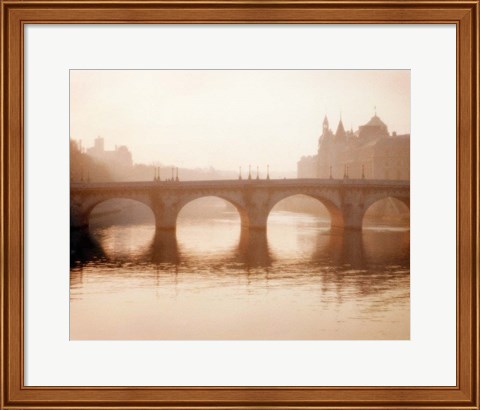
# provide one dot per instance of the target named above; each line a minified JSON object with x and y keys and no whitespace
{"x":212,"y":281}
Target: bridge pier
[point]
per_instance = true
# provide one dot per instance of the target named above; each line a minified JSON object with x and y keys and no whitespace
{"x":352,"y":217}
{"x":165,"y":215}
{"x":255,"y":219}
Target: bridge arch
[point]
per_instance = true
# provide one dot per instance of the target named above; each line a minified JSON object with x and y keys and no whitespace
{"x":208,"y":226}
{"x":93,"y":205}
{"x":402,"y":197}
{"x":336,"y":215}
{"x":235,"y":203}
{"x":390,"y":204}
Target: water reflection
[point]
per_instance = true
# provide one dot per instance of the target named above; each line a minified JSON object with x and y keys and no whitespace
{"x":297,"y":281}
{"x":164,"y":248}
{"x":84,"y":248}
{"x":350,"y":249}
{"x":253,"y":250}
{"x":341,"y":249}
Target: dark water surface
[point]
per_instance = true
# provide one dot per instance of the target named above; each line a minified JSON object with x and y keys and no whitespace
{"x":213,"y":281}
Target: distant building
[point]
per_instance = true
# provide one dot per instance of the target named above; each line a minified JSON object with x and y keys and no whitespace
{"x":307,"y":166}
{"x":119,"y":157}
{"x":370,"y":152}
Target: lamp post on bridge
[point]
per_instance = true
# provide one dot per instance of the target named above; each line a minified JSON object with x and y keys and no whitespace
{"x":156,"y":173}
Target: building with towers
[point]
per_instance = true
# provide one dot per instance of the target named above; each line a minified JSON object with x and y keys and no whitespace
{"x":119,"y":157}
{"x":370,"y":152}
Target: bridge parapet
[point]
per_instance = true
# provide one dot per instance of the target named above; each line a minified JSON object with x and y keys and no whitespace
{"x":229,"y":183}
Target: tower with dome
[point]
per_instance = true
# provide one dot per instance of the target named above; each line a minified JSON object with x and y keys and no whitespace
{"x":370,"y":152}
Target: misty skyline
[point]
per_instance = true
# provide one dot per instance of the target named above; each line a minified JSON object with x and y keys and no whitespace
{"x":230,"y":118}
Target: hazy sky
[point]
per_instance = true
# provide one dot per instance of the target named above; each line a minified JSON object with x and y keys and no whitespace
{"x":227,"y":119}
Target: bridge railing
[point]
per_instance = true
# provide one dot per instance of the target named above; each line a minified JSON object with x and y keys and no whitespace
{"x":225,"y":183}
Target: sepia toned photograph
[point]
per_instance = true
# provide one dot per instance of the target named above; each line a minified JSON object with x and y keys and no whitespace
{"x":240,"y":204}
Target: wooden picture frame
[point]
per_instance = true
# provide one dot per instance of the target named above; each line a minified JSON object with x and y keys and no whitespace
{"x":16,"y":13}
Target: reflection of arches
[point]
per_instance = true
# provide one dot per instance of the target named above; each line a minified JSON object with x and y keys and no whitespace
{"x":387,"y":247}
{"x":359,"y":249}
{"x":84,"y":247}
{"x":190,"y":200}
{"x":342,"y":249}
{"x":387,"y":209}
{"x":253,"y":248}
{"x":336,"y":216}
{"x":164,"y":248}
{"x":142,"y":206}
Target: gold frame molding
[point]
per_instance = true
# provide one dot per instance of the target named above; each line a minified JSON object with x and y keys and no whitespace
{"x":15,"y":13}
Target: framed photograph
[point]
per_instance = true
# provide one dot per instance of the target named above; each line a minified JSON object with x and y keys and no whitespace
{"x":222,"y":204}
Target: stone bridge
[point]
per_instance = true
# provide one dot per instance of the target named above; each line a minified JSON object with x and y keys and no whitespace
{"x":346,"y":199}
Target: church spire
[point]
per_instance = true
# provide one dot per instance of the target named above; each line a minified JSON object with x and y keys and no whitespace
{"x":340,"y":134}
{"x":326,"y":127}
